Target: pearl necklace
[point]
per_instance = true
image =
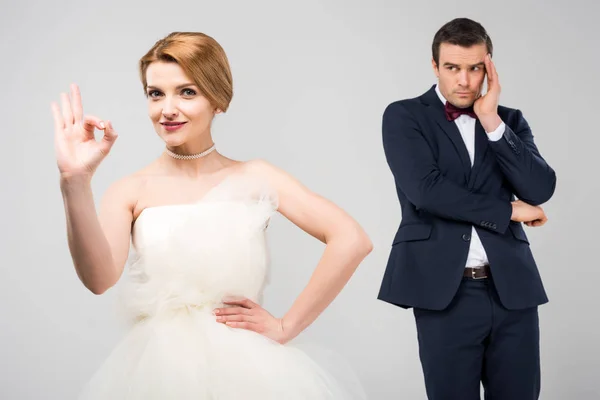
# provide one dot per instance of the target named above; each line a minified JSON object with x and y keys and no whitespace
{"x":190,"y":156}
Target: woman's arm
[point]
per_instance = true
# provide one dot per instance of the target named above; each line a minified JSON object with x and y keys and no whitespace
{"x":98,"y":246}
{"x":98,"y":242}
{"x":347,"y":245}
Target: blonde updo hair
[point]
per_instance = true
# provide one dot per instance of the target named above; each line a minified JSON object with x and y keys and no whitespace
{"x":201,"y":57}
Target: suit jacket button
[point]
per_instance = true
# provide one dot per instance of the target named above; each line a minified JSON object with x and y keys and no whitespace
{"x":466,"y":237}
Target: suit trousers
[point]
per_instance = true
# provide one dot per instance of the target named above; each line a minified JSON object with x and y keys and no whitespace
{"x":476,"y":341}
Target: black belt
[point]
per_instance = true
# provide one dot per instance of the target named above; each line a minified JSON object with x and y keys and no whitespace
{"x":477,"y":273}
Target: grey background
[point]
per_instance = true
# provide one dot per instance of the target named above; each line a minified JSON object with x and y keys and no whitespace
{"x":311,"y":82}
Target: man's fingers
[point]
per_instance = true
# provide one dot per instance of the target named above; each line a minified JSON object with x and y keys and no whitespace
{"x":537,"y":222}
{"x":492,"y":74}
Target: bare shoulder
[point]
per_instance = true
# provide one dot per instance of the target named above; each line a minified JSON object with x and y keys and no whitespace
{"x":310,"y":211}
{"x":124,"y":192}
{"x":292,"y":194}
{"x":283,"y":183}
{"x":262,"y":168}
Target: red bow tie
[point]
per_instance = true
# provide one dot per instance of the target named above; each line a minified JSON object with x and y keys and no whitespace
{"x":453,"y":112}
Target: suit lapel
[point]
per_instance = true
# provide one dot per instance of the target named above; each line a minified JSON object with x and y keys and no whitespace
{"x":481,"y":148}
{"x":436,"y":112}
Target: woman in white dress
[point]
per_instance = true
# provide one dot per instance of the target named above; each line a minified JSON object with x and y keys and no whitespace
{"x":196,"y":223}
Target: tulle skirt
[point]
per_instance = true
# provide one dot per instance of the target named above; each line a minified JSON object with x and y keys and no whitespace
{"x":191,"y":356}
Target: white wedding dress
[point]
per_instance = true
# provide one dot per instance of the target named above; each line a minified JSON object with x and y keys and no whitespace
{"x":186,"y":259}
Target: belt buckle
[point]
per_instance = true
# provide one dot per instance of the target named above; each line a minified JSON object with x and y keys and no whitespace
{"x":473,"y":270}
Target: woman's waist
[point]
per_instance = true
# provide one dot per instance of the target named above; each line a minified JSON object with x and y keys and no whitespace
{"x":144,"y":304}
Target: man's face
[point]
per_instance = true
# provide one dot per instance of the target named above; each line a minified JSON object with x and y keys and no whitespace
{"x":460,"y":73}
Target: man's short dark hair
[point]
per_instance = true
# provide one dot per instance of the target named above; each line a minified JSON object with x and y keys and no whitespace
{"x":462,"y":32}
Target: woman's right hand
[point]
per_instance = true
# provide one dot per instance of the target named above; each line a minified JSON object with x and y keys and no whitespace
{"x":77,"y":151}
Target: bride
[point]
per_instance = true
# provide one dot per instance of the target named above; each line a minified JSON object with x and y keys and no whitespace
{"x":196,"y":223}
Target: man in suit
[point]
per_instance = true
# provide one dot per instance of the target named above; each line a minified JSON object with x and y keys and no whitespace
{"x":460,"y":257}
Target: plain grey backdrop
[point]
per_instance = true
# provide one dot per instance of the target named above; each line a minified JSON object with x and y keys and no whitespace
{"x":311,"y":81}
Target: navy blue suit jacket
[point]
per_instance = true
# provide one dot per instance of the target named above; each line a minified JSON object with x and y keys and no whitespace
{"x":442,"y":197}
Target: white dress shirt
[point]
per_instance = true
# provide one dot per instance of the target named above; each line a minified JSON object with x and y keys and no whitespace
{"x":477,"y":256}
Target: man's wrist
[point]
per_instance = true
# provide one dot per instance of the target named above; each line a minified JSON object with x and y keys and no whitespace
{"x":490,"y":122}
{"x":514,"y":211}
